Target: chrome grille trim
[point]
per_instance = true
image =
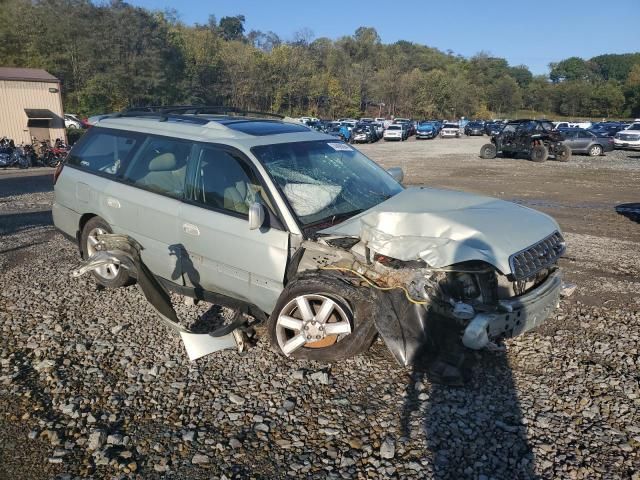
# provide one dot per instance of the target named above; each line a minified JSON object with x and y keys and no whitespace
{"x":526,"y":263}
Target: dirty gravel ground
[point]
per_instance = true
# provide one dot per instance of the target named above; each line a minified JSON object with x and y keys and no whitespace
{"x":92,"y":386}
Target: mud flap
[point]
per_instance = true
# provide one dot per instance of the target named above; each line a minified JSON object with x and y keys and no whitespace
{"x":125,"y":252}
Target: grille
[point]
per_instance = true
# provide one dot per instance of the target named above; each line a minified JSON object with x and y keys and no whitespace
{"x":537,"y":257}
{"x":625,"y":136}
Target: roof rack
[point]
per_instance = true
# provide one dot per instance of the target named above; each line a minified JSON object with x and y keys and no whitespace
{"x":163,"y":116}
{"x":195,"y":110}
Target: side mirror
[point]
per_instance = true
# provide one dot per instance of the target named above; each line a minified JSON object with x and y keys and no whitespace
{"x":396,"y":173}
{"x":256,"y":216}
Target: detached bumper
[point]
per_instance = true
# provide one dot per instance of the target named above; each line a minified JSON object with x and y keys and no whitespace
{"x":521,"y":314}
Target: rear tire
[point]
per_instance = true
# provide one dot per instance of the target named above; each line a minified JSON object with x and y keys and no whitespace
{"x":355,"y":305}
{"x":595,"y":151}
{"x":108,"y":276}
{"x":539,"y":153}
{"x":488,"y":151}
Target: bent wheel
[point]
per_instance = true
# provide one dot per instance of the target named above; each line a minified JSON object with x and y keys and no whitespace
{"x":110,"y":276}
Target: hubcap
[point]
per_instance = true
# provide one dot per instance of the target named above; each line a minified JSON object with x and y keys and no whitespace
{"x":108,"y":272}
{"x":311,"y":321}
{"x":595,"y":150}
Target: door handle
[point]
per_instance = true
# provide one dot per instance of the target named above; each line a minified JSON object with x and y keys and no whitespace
{"x":190,"y":229}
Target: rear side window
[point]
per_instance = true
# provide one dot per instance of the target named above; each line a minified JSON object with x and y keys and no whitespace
{"x":160,"y":165}
{"x":103,"y":151}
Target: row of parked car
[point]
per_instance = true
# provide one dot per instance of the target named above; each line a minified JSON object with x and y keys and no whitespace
{"x":369,"y":130}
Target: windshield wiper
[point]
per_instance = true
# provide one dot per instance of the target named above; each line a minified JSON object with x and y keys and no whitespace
{"x":331,"y":220}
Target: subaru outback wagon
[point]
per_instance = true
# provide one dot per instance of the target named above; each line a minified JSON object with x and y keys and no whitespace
{"x":306,"y":234}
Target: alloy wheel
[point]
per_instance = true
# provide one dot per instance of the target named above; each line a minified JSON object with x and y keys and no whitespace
{"x":312,"y":321}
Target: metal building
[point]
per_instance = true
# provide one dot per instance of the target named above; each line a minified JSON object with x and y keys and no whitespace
{"x":30,"y":105}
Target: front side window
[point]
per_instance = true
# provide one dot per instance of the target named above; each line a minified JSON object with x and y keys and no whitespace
{"x":160,"y":165}
{"x":103,"y":151}
{"x":324,"y":181}
{"x":224,"y":181}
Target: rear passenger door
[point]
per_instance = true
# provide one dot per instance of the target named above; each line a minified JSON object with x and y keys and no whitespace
{"x":145,"y":203}
{"x":571,"y":139}
{"x":583,"y":140}
{"x":221,"y":253}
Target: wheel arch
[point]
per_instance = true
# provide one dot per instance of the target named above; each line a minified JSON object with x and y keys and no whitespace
{"x":83,"y":221}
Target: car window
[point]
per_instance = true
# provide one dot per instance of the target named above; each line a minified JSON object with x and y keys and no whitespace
{"x":160,"y":165}
{"x":584,"y":135}
{"x":225,"y":181}
{"x":103,"y":151}
{"x":326,"y":181}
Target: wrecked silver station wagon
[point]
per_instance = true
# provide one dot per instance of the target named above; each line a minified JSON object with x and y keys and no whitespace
{"x":302,"y":233}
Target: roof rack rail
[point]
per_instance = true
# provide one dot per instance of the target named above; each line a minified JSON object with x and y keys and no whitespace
{"x":163,"y":116}
{"x":199,"y":110}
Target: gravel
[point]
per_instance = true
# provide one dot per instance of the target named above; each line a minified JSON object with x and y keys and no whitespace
{"x":91,"y":385}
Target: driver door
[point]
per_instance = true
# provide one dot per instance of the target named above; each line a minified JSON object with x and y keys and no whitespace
{"x":219,"y":252}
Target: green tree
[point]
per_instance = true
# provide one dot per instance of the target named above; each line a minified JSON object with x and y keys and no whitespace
{"x":232,"y":28}
{"x":571,"y":69}
{"x":504,"y":95}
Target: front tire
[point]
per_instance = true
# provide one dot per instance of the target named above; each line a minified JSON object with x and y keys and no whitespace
{"x":488,"y":151}
{"x":320,"y":316}
{"x":563,"y":153}
{"x":109,"y":276}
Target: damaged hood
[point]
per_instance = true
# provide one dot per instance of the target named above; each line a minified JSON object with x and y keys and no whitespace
{"x":443,"y":227}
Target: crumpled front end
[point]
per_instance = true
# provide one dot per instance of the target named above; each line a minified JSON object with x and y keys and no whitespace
{"x":483,"y":268}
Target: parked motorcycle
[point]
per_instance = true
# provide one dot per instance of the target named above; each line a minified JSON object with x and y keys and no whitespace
{"x":12,"y":156}
{"x":52,"y":156}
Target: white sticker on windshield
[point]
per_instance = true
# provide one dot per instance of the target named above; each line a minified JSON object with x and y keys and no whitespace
{"x":340,"y":147}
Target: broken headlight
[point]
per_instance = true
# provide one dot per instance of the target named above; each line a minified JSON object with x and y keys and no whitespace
{"x":470,"y":282}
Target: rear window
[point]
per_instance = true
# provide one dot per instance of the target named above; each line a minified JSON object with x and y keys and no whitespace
{"x":103,"y":151}
{"x":394,"y":127}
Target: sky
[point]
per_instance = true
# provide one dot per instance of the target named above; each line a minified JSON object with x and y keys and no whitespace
{"x":533,"y":32}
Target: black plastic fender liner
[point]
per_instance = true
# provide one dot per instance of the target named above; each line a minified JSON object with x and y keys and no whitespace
{"x":403,"y":326}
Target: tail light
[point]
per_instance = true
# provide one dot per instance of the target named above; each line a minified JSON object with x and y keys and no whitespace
{"x":57,"y":172}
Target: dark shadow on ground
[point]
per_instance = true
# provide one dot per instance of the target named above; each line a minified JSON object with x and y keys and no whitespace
{"x":21,"y":247}
{"x":470,"y":430}
{"x":16,"y":222}
{"x":629,"y":210}
{"x":27,"y":184}
{"x":465,"y":401}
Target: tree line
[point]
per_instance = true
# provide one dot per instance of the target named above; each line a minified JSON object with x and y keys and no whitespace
{"x":112,"y":56}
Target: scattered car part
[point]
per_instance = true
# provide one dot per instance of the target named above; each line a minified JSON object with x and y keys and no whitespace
{"x":111,"y":250}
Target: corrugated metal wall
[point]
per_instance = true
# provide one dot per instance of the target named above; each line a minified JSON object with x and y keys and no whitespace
{"x":15,"y":96}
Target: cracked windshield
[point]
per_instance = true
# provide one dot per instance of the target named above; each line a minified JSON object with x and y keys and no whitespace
{"x":326,"y":182}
